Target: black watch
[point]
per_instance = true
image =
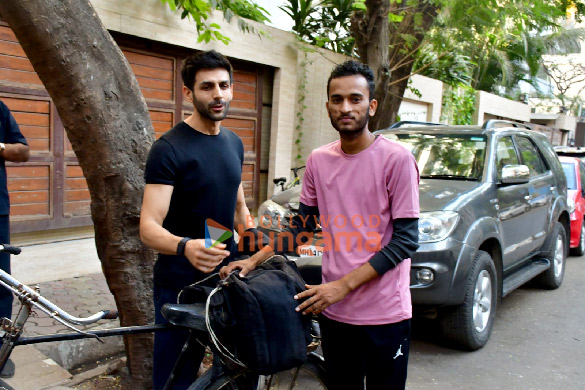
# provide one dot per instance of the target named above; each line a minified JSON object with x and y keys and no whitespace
{"x":181,"y":246}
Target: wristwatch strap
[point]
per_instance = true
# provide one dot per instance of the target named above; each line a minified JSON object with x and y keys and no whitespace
{"x":181,"y":246}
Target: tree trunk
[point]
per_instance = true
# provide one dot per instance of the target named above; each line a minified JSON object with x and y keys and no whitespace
{"x":382,"y":46}
{"x":107,"y":121}
{"x":371,"y":32}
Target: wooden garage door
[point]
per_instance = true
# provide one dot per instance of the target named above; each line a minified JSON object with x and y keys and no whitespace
{"x":49,"y":191}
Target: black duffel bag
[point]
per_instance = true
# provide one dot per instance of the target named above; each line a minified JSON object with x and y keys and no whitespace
{"x":252,"y":320}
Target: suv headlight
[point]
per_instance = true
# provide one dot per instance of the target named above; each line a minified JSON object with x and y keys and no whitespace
{"x":435,"y":226}
{"x":273,"y":216}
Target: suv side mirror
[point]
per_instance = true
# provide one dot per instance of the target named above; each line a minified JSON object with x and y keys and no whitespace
{"x":515,"y":174}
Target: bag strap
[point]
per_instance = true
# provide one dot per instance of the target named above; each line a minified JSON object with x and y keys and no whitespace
{"x":195,"y":284}
{"x":220,"y":347}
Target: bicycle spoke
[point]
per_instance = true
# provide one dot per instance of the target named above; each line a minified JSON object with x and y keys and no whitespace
{"x":294,"y":379}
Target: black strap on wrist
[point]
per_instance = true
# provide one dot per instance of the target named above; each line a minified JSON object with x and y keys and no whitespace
{"x":181,"y":246}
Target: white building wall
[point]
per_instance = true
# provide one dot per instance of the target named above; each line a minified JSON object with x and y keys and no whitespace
{"x":490,"y":106}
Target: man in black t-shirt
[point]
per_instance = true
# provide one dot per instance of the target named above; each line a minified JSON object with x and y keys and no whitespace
{"x":13,"y":147}
{"x":193,"y":194}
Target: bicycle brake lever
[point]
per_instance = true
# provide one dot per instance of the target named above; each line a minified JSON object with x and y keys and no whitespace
{"x":98,"y":338}
{"x":53,"y":316}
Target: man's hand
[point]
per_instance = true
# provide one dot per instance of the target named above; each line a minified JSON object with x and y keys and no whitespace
{"x":202,"y":258}
{"x":322,"y":296}
{"x":244,"y":266}
{"x":247,"y":265}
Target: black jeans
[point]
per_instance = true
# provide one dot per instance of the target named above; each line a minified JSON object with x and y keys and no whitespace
{"x":378,"y":353}
{"x":168,"y":346}
{"x":5,"y":294}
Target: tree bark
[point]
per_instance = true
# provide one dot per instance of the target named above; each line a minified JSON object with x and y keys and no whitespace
{"x":382,"y":46}
{"x":372,"y":36}
{"x":107,"y":121}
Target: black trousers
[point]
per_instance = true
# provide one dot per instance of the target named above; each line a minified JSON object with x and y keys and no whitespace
{"x":5,"y":294}
{"x":378,"y":353}
{"x":168,"y":346}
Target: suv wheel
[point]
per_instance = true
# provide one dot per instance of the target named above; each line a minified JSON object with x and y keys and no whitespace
{"x":580,"y":250}
{"x":469,"y":325}
{"x":555,"y":249}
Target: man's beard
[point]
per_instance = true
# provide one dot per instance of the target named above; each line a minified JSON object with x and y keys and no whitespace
{"x":359,"y":126}
{"x":205,"y":110}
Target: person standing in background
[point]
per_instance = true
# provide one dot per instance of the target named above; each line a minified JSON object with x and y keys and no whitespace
{"x":14,"y":148}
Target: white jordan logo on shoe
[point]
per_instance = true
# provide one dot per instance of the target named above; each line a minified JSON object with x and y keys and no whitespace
{"x":399,"y":352}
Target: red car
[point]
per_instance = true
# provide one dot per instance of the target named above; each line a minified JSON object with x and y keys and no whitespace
{"x":575,"y":172}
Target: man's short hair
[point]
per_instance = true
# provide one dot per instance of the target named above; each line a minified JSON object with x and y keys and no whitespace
{"x":204,"y":60}
{"x":352,"y":68}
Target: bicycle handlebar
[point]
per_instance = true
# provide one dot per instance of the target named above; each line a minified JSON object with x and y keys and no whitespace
{"x":295,"y":170}
{"x":110,"y":314}
{"x":13,"y":250}
{"x":29,"y":295}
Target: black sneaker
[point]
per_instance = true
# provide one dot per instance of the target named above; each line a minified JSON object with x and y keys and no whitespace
{"x":8,"y":370}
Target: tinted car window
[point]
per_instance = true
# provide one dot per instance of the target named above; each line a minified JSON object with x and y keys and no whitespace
{"x":569,"y":169}
{"x":450,"y":156}
{"x":530,"y":156}
{"x":505,"y":154}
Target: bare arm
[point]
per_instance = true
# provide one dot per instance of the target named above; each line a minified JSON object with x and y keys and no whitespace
{"x":155,"y":206}
{"x":242,"y":218}
{"x":16,"y":153}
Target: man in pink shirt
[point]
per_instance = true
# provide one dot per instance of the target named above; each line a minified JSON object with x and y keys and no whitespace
{"x":363,"y":189}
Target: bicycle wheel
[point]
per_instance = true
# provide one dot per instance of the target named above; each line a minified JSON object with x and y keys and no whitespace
{"x":309,"y":376}
{"x":240,"y":381}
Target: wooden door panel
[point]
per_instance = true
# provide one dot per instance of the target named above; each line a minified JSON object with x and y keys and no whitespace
{"x":162,"y":121}
{"x":77,"y":198}
{"x":155,"y":74}
{"x":30,"y":191}
{"x":15,"y":68}
{"x":34,"y":119}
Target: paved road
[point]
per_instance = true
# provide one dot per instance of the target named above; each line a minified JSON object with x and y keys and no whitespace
{"x":538,"y":343}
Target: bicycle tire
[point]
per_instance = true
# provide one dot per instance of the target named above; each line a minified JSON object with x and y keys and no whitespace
{"x":5,"y":386}
{"x":310,"y":376}
{"x":239,"y":381}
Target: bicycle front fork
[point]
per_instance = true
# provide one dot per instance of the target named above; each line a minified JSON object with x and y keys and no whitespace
{"x":10,"y":333}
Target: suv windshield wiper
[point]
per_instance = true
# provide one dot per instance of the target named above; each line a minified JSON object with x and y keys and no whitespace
{"x":449,"y":177}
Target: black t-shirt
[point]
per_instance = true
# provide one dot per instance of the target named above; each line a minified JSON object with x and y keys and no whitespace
{"x":9,"y":134}
{"x":205,"y":171}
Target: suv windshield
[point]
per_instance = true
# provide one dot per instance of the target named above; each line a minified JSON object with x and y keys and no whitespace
{"x":446,"y":156}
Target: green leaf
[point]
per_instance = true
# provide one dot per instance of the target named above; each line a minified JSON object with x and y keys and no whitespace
{"x":394,"y":18}
{"x":171,"y":4}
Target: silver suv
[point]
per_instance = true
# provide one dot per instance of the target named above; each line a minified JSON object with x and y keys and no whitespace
{"x":494,"y":215}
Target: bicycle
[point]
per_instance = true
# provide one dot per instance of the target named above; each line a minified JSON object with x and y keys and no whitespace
{"x":280,"y":181}
{"x":222,"y":375}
